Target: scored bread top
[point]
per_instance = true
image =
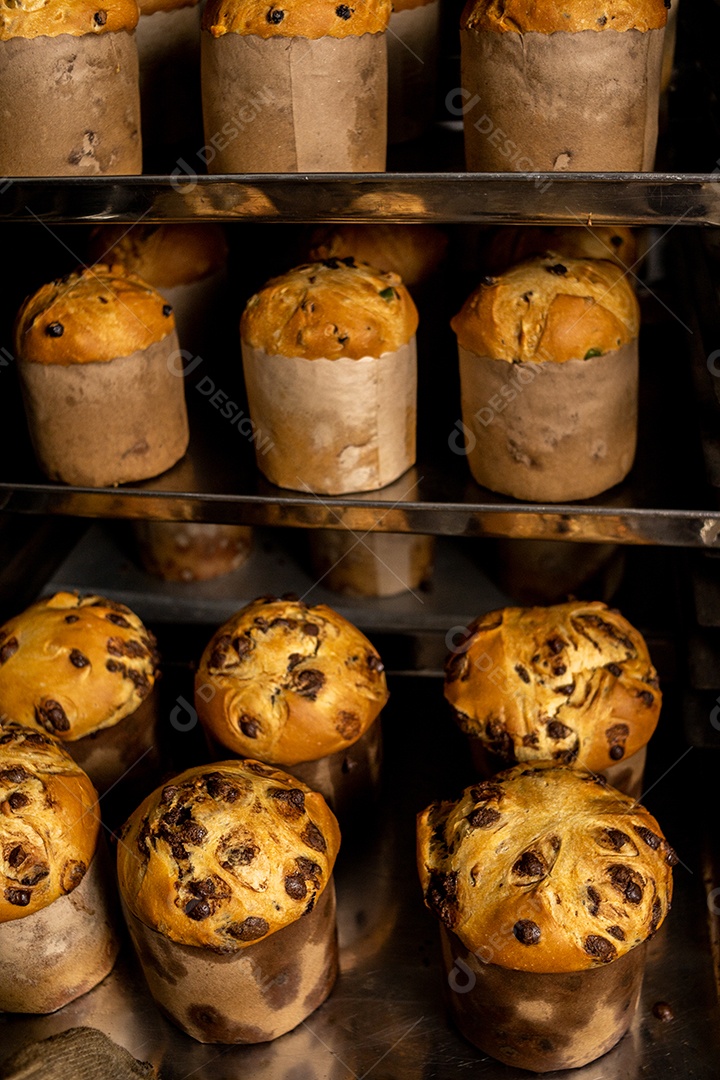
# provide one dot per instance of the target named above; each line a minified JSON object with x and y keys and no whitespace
{"x":551,"y":309}
{"x":285,"y":683}
{"x":225,"y":854}
{"x":331,"y":309}
{"x":296,"y":18}
{"x":49,"y":821}
{"x":545,"y":869}
{"x":412,"y":251}
{"x":162,"y":255}
{"x":93,"y":315}
{"x":571,"y":682}
{"x":51,"y":18}
{"x":73,"y":665}
{"x":573,"y":16}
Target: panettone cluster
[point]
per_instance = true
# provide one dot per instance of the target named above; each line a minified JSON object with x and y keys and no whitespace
{"x":288,"y":683}
{"x":332,"y":309}
{"x":553,"y":309}
{"x":554,"y":868}
{"x":572,"y":16}
{"x":226,"y":854}
{"x":93,"y":315}
{"x":296,"y":18}
{"x":570,"y":683}
{"x":50,"y":18}
{"x":73,"y":665}
{"x":49,"y":822}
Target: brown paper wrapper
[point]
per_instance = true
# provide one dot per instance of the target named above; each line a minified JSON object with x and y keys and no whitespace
{"x":71,"y":106}
{"x":551,"y":432}
{"x":536,"y":1021}
{"x":168,"y":44}
{"x":97,"y":424}
{"x":286,"y":105}
{"x":412,"y":45}
{"x":379,"y":564}
{"x":191,"y":551}
{"x":333,"y":426}
{"x":545,"y":102}
{"x":250,"y":996}
{"x":60,"y":952}
{"x":127,"y":750}
{"x":626,"y":776}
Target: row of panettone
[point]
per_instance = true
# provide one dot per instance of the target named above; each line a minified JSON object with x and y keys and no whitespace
{"x":303,"y":87}
{"x":547,"y":882}
{"x":548,"y":364}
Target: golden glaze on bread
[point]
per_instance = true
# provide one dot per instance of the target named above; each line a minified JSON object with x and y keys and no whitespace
{"x":572,"y":682}
{"x":225,"y":854}
{"x":573,"y":16}
{"x":550,"y":309}
{"x":545,"y":869}
{"x":286,"y":683}
{"x":149,"y":7}
{"x":296,"y":18}
{"x":162,"y":255}
{"x":72,"y":665}
{"x":412,"y":251}
{"x":50,"y":18}
{"x":49,"y":822}
{"x":328,"y":310}
{"x":507,"y":245}
{"x":97,"y":314}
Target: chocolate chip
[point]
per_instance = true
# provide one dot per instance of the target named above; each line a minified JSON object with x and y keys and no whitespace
{"x":557,"y":269}
{"x":309,"y":869}
{"x":292,"y":798}
{"x":375,"y":663}
{"x":671,"y":858}
{"x":249,"y":929}
{"x":17,"y":800}
{"x":614,"y":669}
{"x":169,"y":793}
{"x":623,"y":880}
{"x":600,"y":948}
{"x":483,"y":818}
{"x":100,"y":18}
{"x":218,"y":655}
{"x":295,"y":886}
{"x":312,"y":836}
{"x":531,"y":739}
{"x":52,"y":716}
{"x":594,"y":898}
{"x":348,"y":725}
{"x":311,"y":629}
{"x":139,"y":680}
{"x":566,"y":690}
{"x":486,"y":790}
{"x":78,"y":659}
{"x":441,"y":897}
{"x":55,"y":329}
{"x":17,"y":856}
{"x":249,"y":726}
{"x":294,"y":659}
{"x":646,"y":697}
{"x":275,"y":16}
{"x":72,"y":619}
{"x":198,"y":910}
{"x":35,"y":874}
{"x":617,"y":932}
{"x":221,"y":788}
{"x":18,"y":897}
{"x":167,"y":310}
{"x":240,"y":856}
{"x":656,"y":915}
{"x":556,"y":645}
{"x":616,"y":752}
{"x":8,"y":649}
{"x":527,"y":932}
{"x":113,"y":666}
{"x":282,"y":622}
{"x":602,"y":21}
{"x":648,"y":837}
{"x":118,"y":620}
{"x":633,"y":893}
{"x":14,"y":775}
{"x":72,"y":875}
{"x":308,"y":683}
{"x":529,"y":865}
{"x":522,"y":672}
{"x":557,"y":731}
{"x":559,"y":669}
{"x":242,"y":645}
{"x":193,"y":833}
{"x":343,"y":11}
{"x":661,"y":1010}
{"x":616,"y":838}
{"x":488,"y":281}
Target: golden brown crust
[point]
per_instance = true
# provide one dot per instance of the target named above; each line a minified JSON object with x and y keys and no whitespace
{"x":507,"y":245}
{"x":285,"y":683}
{"x":296,"y":18}
{"x":73,"y":665}
{"x":49,"y":821}
{"x":572,"y":682}
{"x":412,"y":251}
{"x":572,"y":16}
{"x":162,"y":255}
{"x":149,"y":7}
{"x":328,"y":310}
{"x":545,"y":869}
{"x":226,"y":854}
{"x":50,"y":18}
{"x":550,"y":309}
{"x":99,"y":314}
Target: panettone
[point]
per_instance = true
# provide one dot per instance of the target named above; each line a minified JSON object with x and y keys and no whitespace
{"x":412,"y":251}
{"x":296,"y":18}
{"x":50,"y":18}
{"x":337,"y":308}
{"x":559,"y":871}
{"x":289,"y":683}
{"x":162,"y":255}
{"x":49,"y":821}
{"x":73,"y":665}
{"x":572,"y":16}
{"x":550,"y":309}
{"x":225,"y":855}
{"x":571,"y":682}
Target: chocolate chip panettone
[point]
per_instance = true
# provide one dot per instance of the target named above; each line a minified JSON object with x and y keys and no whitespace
{"x":547,"y":884}
{"x":295,"y":686}
{"x":56,"y":937}
{"x":78,"y":667}
{"x":570,"y":683}
{"x":227,"y":870}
